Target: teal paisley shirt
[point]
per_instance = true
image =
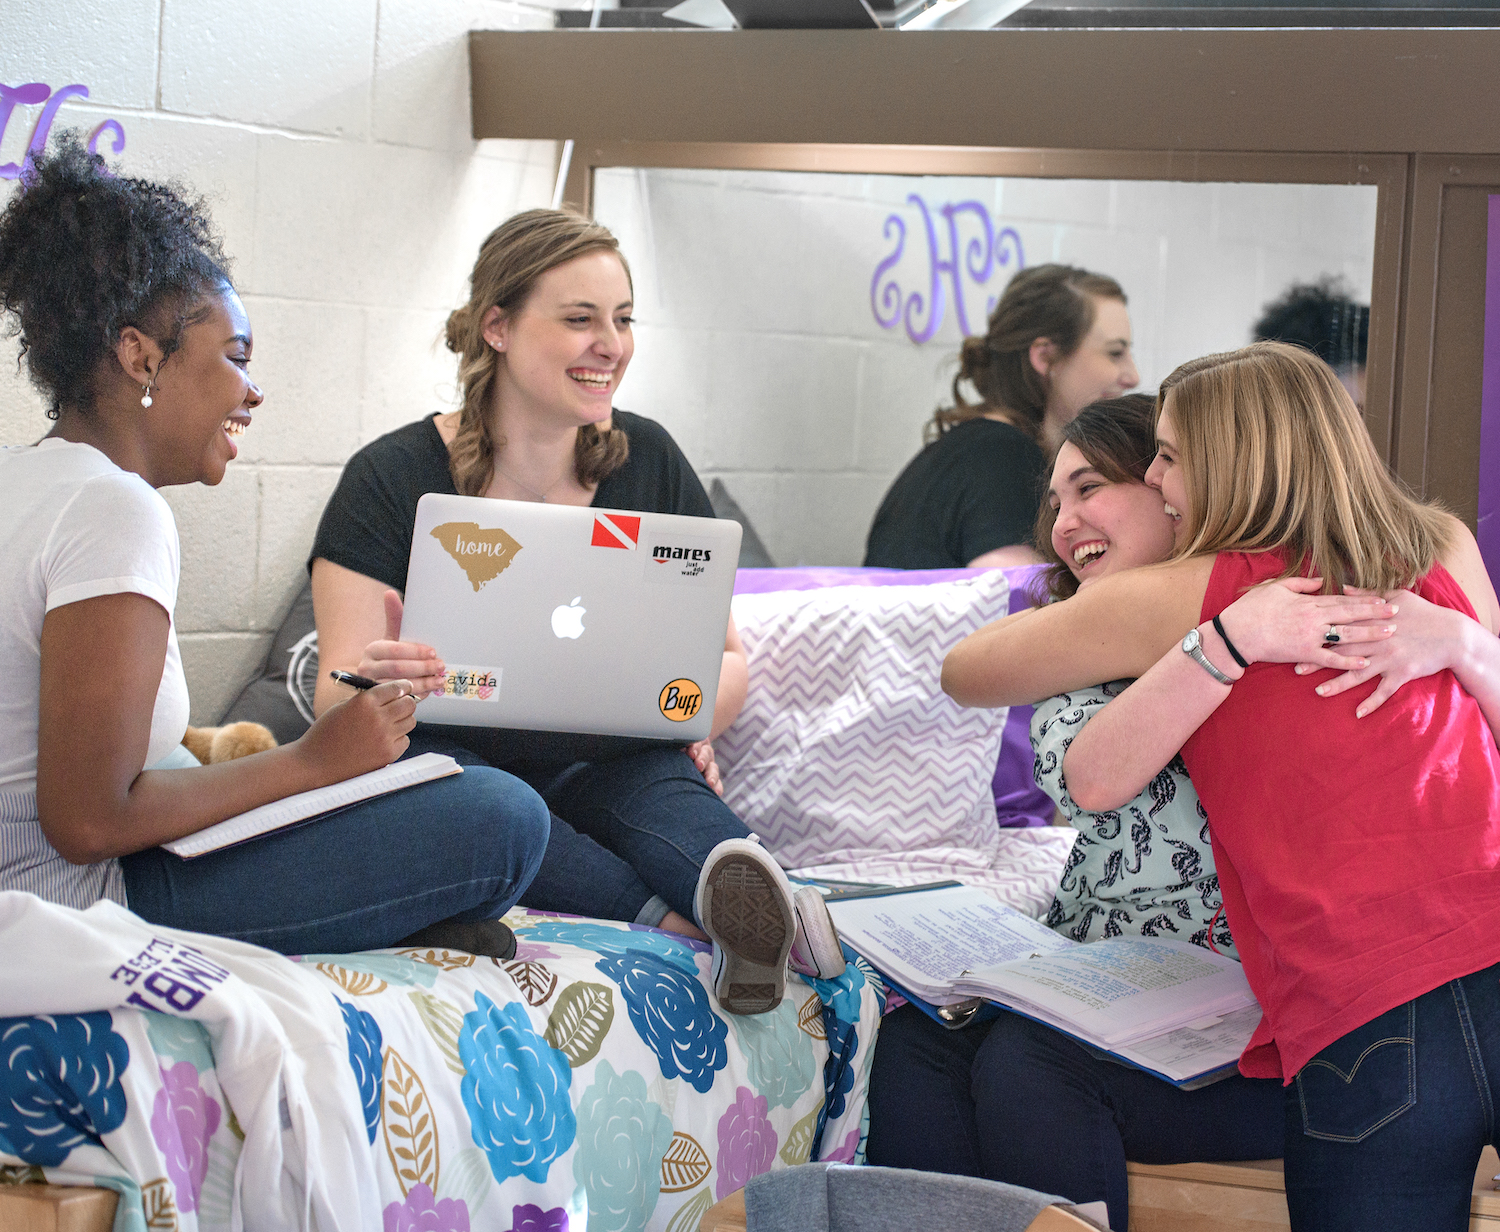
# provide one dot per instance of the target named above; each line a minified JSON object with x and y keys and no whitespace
{"x":1146,"y":869}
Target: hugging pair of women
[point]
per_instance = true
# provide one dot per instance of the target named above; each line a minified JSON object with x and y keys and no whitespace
{"x":1301,"y":670}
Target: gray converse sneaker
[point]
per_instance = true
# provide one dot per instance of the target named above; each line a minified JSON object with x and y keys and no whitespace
{"x":744,"y":903}
{"x":816,"y":950}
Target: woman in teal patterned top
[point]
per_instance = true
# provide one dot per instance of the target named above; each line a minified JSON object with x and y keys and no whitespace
{"x":1013,"y":1100}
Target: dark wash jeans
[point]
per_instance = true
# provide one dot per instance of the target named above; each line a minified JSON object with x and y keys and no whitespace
{"x":361,"y":878}
{"x":633,"y":823}
{"x":1014,"y":1101}
{"x":1384,"y":1127}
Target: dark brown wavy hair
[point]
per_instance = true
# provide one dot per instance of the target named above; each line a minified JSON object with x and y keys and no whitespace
{"x":1117,"y":437}
{"x":1055,"y":302}
{"x":511,"y":259}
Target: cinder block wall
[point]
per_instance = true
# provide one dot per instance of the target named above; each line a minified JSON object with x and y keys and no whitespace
{"x":333,"y":141}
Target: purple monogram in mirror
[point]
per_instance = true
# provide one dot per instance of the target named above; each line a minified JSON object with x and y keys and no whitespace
{"x":983,"y":255}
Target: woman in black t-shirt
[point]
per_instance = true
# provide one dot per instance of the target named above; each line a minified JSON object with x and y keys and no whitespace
{"x":543,"y":343}
{"x":1058,"y":340}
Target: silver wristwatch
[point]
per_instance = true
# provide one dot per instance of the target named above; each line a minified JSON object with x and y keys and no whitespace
{"x":1192,"y":646}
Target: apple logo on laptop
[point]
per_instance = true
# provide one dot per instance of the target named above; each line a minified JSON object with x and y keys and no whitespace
{"x":567,"y":619}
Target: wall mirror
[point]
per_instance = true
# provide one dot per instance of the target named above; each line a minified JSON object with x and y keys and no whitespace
{"x":796,"y":328}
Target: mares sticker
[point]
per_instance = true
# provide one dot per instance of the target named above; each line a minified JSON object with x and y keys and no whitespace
{"x":470,"y":684}
{"x":680,"y":700}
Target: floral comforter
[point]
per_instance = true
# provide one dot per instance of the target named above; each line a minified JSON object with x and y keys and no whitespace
{"x":589,"y":1083}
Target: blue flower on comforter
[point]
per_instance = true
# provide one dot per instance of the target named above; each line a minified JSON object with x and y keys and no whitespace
{"x":59,"y":1084}
{"x":670,"y":1010}
{"x":515,"y":1090}
{"x":622,"y":1137}
{"x":364,"y":1060}
{"x":603,"y":939}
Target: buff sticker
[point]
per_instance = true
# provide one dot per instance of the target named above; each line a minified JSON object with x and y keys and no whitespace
{"x":680,"y":700}
{"x":470,"y":684}
{"x":483,"y":554}
{"x":676,"y":560}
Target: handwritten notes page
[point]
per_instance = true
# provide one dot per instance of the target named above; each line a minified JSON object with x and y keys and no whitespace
{"x":1175,"y":1009}
{"x":925,"y":941}
{"x":1118,"y":991}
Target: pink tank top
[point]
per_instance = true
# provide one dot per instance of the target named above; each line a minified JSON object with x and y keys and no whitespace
{"x":1359,"y":858}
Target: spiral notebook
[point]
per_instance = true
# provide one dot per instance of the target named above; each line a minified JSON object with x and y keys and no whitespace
{"x":309,"y":806}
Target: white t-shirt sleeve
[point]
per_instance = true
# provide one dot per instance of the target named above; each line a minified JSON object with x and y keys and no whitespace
{"x":115,"y":536}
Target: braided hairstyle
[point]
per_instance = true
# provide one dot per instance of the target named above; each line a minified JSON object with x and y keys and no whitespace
{"x":85,"y":253}
{"x":1045,"y":301}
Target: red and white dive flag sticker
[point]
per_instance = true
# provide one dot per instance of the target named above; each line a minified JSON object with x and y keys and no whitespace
{"x":615,"y":530}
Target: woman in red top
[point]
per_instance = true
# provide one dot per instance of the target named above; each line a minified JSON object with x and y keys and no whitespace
{"x":1358,"y":836}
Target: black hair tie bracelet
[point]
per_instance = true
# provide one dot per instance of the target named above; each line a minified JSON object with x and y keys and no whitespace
{"x":1237,"y":656}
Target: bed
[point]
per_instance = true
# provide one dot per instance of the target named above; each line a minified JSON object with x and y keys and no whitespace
{"x":590,"y":1081}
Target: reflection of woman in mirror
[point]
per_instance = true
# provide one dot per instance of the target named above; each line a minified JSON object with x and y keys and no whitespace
{"x":1058,"y":339}
{"x":1356,"y":830}
{"x":543,"y":344}
{"x":1323,"y":317}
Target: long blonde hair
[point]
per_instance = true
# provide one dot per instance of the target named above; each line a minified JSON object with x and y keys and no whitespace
{"x":513,"y":256}
{"x":1275,"y":455}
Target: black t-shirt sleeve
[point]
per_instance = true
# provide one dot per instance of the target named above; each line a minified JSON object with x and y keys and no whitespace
{"x":975,"y":489}
{"x":998,"y":504}
{"x":367,"y":524}
{"x":656,"y":477}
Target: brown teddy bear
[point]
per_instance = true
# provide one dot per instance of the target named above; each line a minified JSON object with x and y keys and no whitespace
{"x":215,"y":744}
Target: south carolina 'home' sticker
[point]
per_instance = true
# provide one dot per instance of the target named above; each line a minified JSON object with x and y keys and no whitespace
{"x":680,"y":700}
{"x":483,"y":554}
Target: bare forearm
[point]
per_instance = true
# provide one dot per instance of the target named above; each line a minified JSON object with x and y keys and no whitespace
{"x":87,"y":820}
{"x":1478,"y":670}
{"x":734,"y":683}
{"x":1125,"y":745}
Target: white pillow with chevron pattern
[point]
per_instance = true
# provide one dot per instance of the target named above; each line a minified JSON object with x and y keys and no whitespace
{"x":847,"y":748}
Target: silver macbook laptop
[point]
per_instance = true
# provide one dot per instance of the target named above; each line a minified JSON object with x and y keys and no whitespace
{"x":559,"y":618}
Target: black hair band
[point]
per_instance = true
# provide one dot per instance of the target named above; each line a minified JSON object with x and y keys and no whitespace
{"x":1238,"y":658}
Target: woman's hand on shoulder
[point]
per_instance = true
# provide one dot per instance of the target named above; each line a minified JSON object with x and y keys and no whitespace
{"x":361,"y":734}
{"x":1287,"y":621}
{"x":1427,"y":639}
{"x":389,"y":658}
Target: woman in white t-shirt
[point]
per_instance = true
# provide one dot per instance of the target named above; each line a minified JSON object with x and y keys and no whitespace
{"x":131,"y":329}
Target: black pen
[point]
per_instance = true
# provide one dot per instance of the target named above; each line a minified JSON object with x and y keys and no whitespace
{"x":358,"y":682}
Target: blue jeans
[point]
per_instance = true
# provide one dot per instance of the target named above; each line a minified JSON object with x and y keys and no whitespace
{"x":629,"y":834}
{"x":462,"y":847}
{"x":1014,"y":1101}
{"x":1384,"y":1127}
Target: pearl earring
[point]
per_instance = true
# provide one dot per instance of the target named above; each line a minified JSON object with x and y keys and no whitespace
{"x":146,"y":396}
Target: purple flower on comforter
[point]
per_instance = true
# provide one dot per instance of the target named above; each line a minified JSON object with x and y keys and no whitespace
{"x":529,"y":1218}
{"x":747,"y":1142}
{"x":59,"y":1084}
{"x":421,"y":1212}
{"x":183,"y":1119}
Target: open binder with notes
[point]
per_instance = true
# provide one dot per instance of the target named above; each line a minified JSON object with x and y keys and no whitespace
{"x":1170,"y":1008}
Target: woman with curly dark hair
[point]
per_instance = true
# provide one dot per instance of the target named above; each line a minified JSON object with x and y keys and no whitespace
{"x":131,"y":329}
{"x":1058,"y":340}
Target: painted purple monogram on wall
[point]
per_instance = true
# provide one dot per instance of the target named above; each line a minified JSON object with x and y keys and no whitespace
{"x":983,"y":256}
{"x":35,"y":92}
